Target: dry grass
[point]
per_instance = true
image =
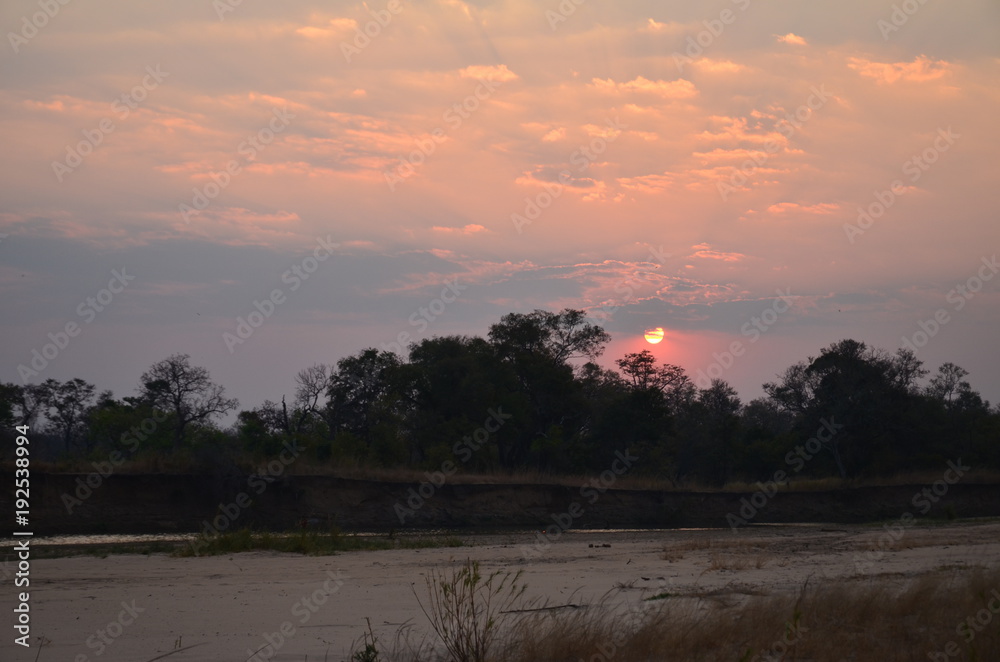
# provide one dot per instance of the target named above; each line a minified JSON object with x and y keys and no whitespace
{"x":734,"y":562}
{"x":676,"y":551}
{"x":831,"y":622}
{"x":889,"y":618}
{"x":756,"y":550}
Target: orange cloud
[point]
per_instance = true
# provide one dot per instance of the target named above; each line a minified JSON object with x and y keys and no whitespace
{"x":735,"y":130}
{"x":794,"y":207}
{"x":921,"y":70}
{"x":655,"y":26}
{"x":673,"y":89}
{"x":498,"y":72}
{"x":471,"y":228}
{"x":718,"y":66}
{"x":554,"y":135}
{"x":734,"y":155}
{"x":337,"y":26}
{"x":705,"y":251}
{"x":792,"y":39}
{"x":656,"y":183}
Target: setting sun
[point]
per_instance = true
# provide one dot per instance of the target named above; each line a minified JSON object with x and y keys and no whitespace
{"x":654,"y":336}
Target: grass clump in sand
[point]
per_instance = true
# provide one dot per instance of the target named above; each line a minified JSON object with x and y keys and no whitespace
{"x":466,"y":608}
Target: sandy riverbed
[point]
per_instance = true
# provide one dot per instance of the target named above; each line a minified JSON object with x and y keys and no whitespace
{"x":226,"y":607}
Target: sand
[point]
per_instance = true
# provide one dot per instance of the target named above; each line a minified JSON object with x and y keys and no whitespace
{"x":224,"y":608}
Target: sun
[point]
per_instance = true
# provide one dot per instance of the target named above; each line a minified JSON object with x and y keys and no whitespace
{"x":654,"y":336}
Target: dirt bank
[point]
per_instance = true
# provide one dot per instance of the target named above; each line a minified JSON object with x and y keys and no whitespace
{"x":165,"y":503}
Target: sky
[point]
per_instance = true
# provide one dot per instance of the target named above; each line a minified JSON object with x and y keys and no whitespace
{"x":265,"y":186}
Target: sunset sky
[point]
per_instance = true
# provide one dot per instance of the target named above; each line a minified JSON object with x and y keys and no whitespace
{"x":672,"y":164}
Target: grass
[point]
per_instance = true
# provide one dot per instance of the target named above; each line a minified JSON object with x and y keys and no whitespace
{"x":467,"y":608}
{"x":660,"y":596}
{"x":885,"y":619}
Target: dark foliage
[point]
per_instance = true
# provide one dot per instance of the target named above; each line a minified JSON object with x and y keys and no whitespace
{"x":529,"y":397}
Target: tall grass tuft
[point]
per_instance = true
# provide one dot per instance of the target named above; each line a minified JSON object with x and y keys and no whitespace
{"x":467,"y":609}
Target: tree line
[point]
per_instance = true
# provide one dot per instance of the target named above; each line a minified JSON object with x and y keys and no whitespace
{"x":531,"y":397}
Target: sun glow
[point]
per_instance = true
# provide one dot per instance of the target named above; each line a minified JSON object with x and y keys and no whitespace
{"x":654,"y":336}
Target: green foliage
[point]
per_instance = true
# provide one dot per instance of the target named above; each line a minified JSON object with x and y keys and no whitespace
{"x":660,"y":596}
{"x":369,"y":650}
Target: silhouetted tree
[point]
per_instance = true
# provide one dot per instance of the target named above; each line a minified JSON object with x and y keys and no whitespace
{"x":311,"y":385}
{"x":67,"y":404}
{"x":186,"y":391}
{"x":364,"y":401}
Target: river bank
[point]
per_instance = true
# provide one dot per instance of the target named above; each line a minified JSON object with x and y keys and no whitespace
{"x":165,"y":503}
